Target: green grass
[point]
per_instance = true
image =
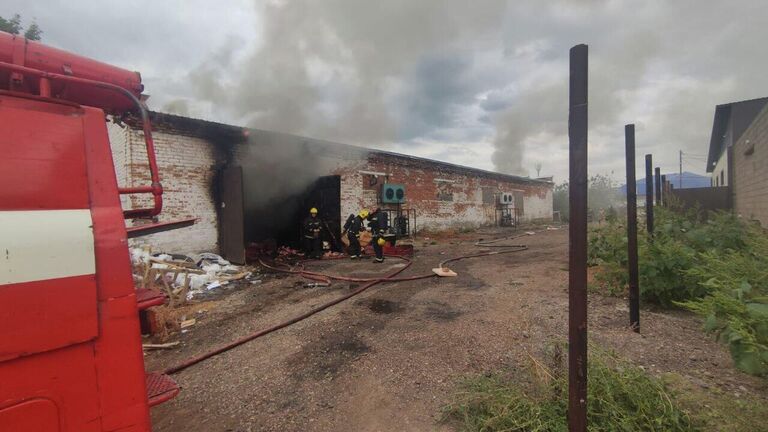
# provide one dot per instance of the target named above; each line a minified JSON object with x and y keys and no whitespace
{"x":718,"y":410}
{"x":621,"y":398}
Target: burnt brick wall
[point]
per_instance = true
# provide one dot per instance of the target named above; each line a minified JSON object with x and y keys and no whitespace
{"x":750,"y":176}
{"x":187,"y":168}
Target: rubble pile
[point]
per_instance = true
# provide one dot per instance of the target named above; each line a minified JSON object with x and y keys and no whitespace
{"x":184,"y":277}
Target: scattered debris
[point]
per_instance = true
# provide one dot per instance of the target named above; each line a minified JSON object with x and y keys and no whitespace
{"x":285,"y":251}
{"x":333,"y":255}
{"x":188,"y":323}
{"x":183,"y":277}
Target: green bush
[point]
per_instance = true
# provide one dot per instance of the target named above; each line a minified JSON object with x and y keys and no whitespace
{"x":661,"y":264}
{"x":716,"y":267}
{"x":607,"y":243}
{"x":621,"y":397}
{"x":736,"y":302}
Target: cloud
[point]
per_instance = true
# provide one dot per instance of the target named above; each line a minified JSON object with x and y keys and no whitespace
{"x":481,"y":83}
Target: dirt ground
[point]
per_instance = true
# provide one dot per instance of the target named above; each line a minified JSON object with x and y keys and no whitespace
{"x":389,"y":358}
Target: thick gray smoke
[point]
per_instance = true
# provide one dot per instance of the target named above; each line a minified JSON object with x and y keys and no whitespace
{"x":355,"y":72}
{"x":422,"y":74}
{"x":278,"y":171}
{"x":486,"y":76}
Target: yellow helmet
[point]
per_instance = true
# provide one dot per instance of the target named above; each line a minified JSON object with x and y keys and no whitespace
{"x":381,"y":241}
{"x":363,"y":213}
{"x":313,"y":210}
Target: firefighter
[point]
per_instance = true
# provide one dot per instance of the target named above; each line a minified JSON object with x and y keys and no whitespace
{"x":377,"y":222}
{"x":353,"y":227}
{"x":313,"y":244}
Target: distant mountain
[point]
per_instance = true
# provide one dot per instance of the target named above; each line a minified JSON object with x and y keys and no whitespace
{"x":690,"y":180}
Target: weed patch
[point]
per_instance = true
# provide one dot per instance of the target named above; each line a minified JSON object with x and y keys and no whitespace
{"x":717,"y":268}
{"x":622,"y":397}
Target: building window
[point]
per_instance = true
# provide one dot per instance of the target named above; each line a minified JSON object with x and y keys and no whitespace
{"x":489,"y":195}
{"x":444,"y":191}
{"x":371,"y":182}
{"x":519,"y":206}
{"x":722,"y":178}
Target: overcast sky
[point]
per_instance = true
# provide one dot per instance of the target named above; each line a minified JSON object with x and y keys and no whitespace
{"x":478,"y":83}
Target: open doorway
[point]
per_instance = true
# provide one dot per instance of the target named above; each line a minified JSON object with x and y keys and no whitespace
{"x":255,"y":219}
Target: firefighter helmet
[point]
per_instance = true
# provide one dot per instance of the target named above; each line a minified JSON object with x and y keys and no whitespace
{"x":313,"y":210}
{"x":381,"y":241}
{"x":363,"y":213}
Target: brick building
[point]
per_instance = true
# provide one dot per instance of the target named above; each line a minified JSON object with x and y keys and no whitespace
{"x":738,"y":156}
{"x":246,"y":185}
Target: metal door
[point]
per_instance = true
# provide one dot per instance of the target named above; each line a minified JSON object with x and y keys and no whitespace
{"x":231,"y":212}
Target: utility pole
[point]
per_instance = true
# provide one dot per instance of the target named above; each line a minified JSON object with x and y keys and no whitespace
{"x":680,"y":178}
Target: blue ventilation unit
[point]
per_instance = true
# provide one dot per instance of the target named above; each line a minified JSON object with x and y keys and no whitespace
{"x":392,"y":193}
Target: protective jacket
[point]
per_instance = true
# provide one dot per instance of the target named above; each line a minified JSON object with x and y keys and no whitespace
{"x":354,"y":225}
{"x":312,"y":227}
{"x":378,"y":222}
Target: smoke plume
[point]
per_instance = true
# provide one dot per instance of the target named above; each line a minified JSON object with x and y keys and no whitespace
{"x":425,"y":74}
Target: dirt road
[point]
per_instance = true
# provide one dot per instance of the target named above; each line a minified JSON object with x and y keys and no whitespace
{"x":388,"y":359}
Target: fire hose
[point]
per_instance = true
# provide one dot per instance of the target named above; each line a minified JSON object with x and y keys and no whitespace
{"x":368,"y":282}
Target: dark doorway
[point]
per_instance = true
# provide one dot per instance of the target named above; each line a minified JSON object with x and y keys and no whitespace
{"x":325,"y":195}
{"x":266,"y":215}
{"x":282,"y":219}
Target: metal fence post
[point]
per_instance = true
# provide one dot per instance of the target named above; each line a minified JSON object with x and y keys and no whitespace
{"x":657,"y":183}
{"x":634,"y":286}
{"x":577,"y":256}
{"x":649,"y":193}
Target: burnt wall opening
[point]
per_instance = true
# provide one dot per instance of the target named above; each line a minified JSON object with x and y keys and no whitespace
{"x":280,"y":217}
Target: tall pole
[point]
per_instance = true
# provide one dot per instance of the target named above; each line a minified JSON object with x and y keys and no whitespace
{"x":634,"y":286}
{"x":657,"y":183}
{"x":649,"y":193}
{"x":680,"y":174}
{"x":577,"y":234}
{"x":666,"y":189}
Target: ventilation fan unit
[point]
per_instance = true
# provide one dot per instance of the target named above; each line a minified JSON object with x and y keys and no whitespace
{"x":506,"y":198}
{"x":392,"y":193}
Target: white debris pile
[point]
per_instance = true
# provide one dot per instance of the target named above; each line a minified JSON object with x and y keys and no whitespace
{"x":184,"y":277}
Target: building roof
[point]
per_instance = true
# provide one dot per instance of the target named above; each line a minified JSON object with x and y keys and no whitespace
{"x":735,"y":115}
{"x":221,"y":133}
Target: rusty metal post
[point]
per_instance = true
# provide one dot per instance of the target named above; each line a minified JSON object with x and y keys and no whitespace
{"x":577,"y":253}
{"x":632,"y":263}
{"x":666,"y":190}
{"x":657,"y":183}
{"x":649,"y":193}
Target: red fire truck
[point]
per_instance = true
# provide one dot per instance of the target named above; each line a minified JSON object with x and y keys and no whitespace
{"x":70,"y":346}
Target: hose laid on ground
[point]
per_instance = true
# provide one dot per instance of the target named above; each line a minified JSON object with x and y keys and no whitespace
{"x":195,"y":360}
{"x":489,"y":243}
{"x":369,"y":282}
{"x":327,"y":277}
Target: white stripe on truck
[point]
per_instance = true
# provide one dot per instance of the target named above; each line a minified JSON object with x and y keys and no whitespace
{"x":45,"y":244}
